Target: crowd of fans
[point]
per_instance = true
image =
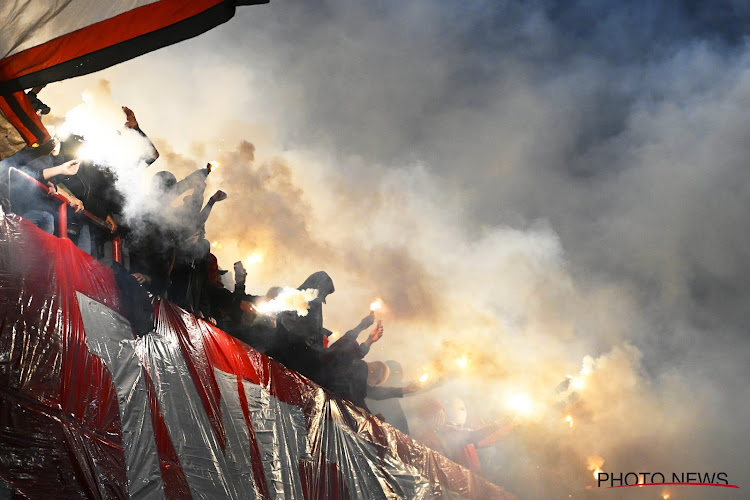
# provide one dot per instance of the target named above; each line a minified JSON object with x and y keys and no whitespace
{"x":168,"y":256}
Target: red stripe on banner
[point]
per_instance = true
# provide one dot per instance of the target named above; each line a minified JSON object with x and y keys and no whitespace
{"x":19,"y":111}
{"x":258,"y":473}
{"x":126,"y":26}
{"x":190,"y":337}
{"x":173,"y":477}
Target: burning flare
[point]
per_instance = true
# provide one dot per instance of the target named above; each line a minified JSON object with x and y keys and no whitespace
{"x":521,"y":404}
{"x":254,"y":258}
{"x":214,"y":164}
{"x":290,"y":299}
{"x":424,"y":377}
{"x":216,"y":245}
{"x":463,"y":361}
{"x":569,"y":420}
{"x":595,"y":464}
{"x":376,"y":305}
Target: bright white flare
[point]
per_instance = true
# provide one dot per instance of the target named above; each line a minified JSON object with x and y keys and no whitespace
{"x":376,"y":305}
{"x":569,"y":420}
{"x":255,"y":258}
{"x":595,"y":464}
{"x":463,"y":361}
{"x":576,"y":383}
{"x":290,"y":299}
{"x":424,"y":377}
{"x":521,"y":404}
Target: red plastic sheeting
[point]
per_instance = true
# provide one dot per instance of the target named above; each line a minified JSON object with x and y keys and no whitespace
{"x":88,"y":411}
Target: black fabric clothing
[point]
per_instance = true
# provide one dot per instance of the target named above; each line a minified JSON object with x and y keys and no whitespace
{"x":188,"y":287}
{"x":360,"y":390}
{"x":299,"y":339}
{"x":339,"y":369}
{"x":296,"y":353}
{"x":95,"y":187}
{"x":260,"y":336}
{"x":390,"y":408}
{"x":225,"y":305}
{"x":152,"y":252}
{"x":137,"y":305}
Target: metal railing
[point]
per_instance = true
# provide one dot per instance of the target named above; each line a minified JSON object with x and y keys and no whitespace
{"x":62,"y":213}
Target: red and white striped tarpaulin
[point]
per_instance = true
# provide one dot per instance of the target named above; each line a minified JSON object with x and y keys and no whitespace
{"x":45,"y":41}
{"x":89,"y":411}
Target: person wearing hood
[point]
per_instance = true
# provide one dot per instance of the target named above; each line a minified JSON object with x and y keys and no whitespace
{"x":299,"y":341}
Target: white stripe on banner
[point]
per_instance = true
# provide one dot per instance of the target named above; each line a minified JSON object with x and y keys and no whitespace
{"x":28,"y":23}
{"x":281,"y":432}
{"x":109,"y":336}
{"x":239,"y":459}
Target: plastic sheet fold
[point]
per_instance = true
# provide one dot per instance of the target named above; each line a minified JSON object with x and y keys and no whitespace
{"x":87,"y":410}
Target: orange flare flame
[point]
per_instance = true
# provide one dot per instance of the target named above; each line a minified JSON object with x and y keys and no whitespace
{"x":255,"y":258}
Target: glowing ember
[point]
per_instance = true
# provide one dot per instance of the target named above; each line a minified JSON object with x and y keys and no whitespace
{"x":424,"y":377}
{"x":290,"y":299}
{"x":569,"y":420}
{"x":255,"y":258}
{"x":666,"y":495}
{"x":520,"y":403}
{"x":462,"y":361}
{"x":376,"y":305}
{"x":595,"y":464}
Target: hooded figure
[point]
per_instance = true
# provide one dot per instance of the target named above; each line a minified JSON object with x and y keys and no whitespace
{"x":299,"y":340}
{"x":309,"y":328}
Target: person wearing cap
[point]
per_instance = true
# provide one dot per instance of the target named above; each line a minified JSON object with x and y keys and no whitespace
{"x":375,"y":388}
{"x":390,"y":408}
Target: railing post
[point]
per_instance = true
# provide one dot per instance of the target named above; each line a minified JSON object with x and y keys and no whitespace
{"x":117,"y":249}
{"x":62,"y":218}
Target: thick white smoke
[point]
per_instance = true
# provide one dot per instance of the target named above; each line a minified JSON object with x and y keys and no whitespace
{"x":107,"y":142}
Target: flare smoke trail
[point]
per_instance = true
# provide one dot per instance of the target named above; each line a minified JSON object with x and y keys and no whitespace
{"x":523,"y":183}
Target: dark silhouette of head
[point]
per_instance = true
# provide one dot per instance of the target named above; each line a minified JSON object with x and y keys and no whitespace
{"x":321,"y":282}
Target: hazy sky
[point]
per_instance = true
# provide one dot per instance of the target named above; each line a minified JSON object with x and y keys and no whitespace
{"x":538,"y":180}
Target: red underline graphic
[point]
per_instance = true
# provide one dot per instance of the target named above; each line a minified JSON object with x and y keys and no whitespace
{"x":678,"y":484}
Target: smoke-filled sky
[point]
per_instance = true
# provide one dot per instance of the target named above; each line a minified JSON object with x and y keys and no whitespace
{"x":527,"y":183}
